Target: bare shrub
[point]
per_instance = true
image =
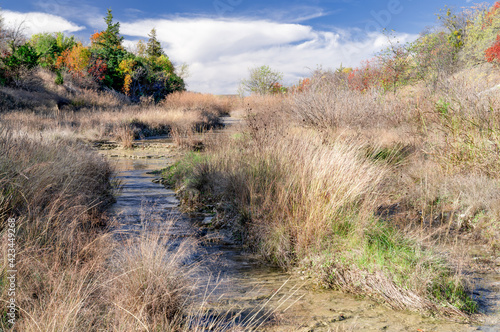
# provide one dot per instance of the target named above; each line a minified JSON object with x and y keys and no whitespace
{"x":328,"y":103}
{"x":125,"y":135}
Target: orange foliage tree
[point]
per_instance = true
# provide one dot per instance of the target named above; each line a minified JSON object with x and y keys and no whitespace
{"x":76,"y":60}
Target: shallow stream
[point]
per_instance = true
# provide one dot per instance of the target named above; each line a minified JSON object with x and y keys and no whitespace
{"x":238,"y":283}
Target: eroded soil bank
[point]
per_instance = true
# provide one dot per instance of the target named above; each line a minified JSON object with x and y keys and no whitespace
{"x":234,"y":283}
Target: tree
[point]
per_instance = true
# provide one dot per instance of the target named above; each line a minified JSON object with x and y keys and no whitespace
{"x":395,"y":65}
{"x":140,"y":49}
{"x":13,"y":63}
{"x":50,"y":46}
{"x":263,"y":80}
{"x":76,"y":60}
{"x":111,"y":38}
{"x":154,"y":46}
{"x":107,"y":45}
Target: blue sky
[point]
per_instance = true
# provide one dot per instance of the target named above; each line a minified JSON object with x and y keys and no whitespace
{"x":221,"y":39}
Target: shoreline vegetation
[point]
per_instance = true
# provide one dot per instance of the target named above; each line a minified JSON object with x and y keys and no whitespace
{"x":381,"y":181}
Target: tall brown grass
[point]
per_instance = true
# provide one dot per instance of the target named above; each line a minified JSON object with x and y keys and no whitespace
{"x":56,"y":191}
{"x":294,"y":189}
{"x":219,"y":105}
{"x":301,"y":201}
{"x":150,"y":286}
{"x":361,"y":186}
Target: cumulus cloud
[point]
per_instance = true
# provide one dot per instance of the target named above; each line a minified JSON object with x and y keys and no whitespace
{"x":36,"y":22}
{"x":220,"y":51}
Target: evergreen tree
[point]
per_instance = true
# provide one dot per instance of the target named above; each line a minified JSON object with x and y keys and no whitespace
{"x":154,"y":46}
{"x":111,"y":38}
{"x":108,"y":47}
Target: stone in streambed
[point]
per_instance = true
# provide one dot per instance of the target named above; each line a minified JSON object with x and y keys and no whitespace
{"x":207,"y":221}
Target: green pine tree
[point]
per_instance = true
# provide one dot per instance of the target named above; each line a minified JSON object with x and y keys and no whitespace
{"x":154,"y":46}
{"x":112,"y":38}
{"x":110,"y":49}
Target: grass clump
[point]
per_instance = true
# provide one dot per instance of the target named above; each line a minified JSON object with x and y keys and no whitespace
{"x":398,"y":270}
{"x":305,"y":202}
{"x":150,"y":289}
{"x":176,"y":173}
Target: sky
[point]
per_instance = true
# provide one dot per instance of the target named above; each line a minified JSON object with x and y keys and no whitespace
{"x":220,"y":40}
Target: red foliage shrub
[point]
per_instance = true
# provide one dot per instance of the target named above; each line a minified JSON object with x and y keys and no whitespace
{"x":493,"y":52}
{"x":366,"y":76}
{"x":97,"y":70}
{"x":301,"y":87}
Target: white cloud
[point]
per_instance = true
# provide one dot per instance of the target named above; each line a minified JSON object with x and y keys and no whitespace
{"x":36,"y":22}
{"x":220,"y":51}
{"x":80,"y":11}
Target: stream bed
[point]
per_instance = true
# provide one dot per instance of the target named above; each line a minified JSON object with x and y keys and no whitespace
{"x":238,"y":284}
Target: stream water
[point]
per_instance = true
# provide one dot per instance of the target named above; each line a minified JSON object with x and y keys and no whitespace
{"x":245,"y":286}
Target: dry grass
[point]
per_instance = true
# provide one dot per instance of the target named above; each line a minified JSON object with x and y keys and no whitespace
{"x":125,"y":135}
{"x":300,"y":200}
{"x":56,"y":191}
{"x":150,"y":286}
{"x":362,"y":185}
{"x":70,"y":111}
{"x":124,"y":124}
{"x":218,"y":105}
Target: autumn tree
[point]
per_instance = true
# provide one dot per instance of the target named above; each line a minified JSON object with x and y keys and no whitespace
{"x":50,"y":46}
{"x":76,"y":60}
